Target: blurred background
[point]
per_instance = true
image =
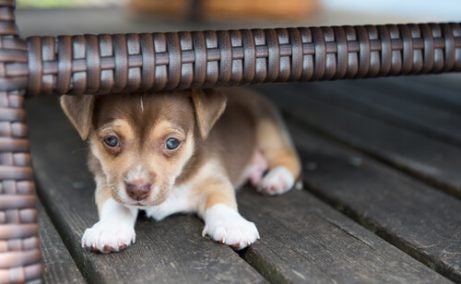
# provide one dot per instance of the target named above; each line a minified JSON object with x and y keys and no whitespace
{"x":112,"y":16}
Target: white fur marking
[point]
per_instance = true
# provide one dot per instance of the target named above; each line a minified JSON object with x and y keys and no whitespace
{"x":254,"y":170}
{"x":225,"y":225}
{"x":137,"y":173}
{"x":182,"y":198}
{"x":277,"y":181}
{"x":179,"y":200}
{"x":115,"y":229}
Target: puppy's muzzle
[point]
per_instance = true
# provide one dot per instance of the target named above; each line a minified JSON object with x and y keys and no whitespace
{"x":138,"y":190}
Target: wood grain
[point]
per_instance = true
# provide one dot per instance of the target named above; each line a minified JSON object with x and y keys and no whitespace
{"x":59,"y":265}
{"x":415,"y":217}
{"x":302,"y":238}
{"x":424,"y":157}
{"x":410,"y":103}
{"x":418,"y":219}
{"x":305,"y":241}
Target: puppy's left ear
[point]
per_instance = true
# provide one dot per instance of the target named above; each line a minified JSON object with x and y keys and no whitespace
{"x":209,"y":105}
{"x":79,"y":110}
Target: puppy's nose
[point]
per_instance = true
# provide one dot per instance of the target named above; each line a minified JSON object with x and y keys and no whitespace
{"x":138,"y":190}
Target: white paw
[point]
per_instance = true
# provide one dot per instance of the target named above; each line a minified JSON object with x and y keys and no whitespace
{"x":106,"y":237}
{"x":276,"y":181}
{"x":225,"y":225}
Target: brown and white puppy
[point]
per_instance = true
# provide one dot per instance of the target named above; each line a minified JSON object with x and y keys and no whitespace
{"x":180,"y":152}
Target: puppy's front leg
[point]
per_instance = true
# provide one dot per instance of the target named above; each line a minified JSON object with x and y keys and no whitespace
{"x":115,"y":229}
{"x":223,"y":223}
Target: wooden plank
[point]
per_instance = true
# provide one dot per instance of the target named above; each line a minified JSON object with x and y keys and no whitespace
{"x":441,"y":90}
{"x":407,"y":104}
{"x":323,"y":245}
{"x":413,"y":216}
{"x":305,"y":241}
{"x":437,"y":90}
{"x":59,"y":265}
{"x":425,"y":157}
{"x":171,"y":250}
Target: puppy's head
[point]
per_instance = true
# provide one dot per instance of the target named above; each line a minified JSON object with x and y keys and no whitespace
{"x":144,"y":142}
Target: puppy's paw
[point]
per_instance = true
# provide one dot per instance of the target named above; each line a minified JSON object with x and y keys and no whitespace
{"x":225,"y":225}
{"x":277,"y":181}
{"x":107,"y":237}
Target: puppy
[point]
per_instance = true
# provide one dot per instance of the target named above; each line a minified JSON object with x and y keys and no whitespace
{"x":184,"y":151}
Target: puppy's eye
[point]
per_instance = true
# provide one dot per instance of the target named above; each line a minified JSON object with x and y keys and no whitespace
{"x":111,"y":141}
{"x":172,"y":144}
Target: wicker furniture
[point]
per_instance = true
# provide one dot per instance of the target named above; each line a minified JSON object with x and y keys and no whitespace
{"x":101,"y":64}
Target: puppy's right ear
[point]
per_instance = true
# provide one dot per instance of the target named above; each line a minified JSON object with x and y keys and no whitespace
{"x":209,"y":105}
{"x":79,"y":110}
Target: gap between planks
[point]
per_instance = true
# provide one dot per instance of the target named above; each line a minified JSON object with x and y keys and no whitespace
{"x":431,"y":259}
{"x":303,"y":106}
{"x":323,"y":255}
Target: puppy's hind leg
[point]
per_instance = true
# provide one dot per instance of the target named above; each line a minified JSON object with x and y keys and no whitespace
{"x":275,"y":144}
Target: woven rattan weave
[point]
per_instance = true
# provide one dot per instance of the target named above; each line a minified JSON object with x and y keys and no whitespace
{"x":88,"y":64}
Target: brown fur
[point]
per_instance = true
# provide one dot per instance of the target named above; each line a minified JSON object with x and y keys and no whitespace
{"x":210,"y":131}
{"x":142,"y":134}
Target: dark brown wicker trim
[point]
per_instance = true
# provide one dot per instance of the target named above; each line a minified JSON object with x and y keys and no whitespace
{"x":93,"y":64}
{"x":19,"y":244}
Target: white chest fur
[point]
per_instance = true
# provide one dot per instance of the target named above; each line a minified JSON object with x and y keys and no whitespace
{"x":186,"y":197}
{"x":180,"y":200}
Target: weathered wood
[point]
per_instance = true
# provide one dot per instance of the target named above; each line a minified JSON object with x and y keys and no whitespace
{"x":322,"y":246}
{"x":422,"y":156}
{"x":171,"y":250}
{"x":416,"y":218}
{"x":59,"y":265}
{"x":437,"y":90}
{"x":305,"y":241}
{"x":406,"y":103}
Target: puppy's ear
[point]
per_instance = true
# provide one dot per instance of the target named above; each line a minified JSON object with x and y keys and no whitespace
{"x":79,"y":110}
{"x":209,"y":105}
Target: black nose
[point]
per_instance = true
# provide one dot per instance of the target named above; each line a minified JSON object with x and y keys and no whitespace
{"x":138,"y":190}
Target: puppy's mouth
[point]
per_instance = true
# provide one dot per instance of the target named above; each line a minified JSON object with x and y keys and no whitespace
{"x":137,"y":204}
{"x":142,"y":204}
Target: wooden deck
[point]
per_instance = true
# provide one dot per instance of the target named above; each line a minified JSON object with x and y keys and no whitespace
{"x":381,"y":202}
{"x":381,"y":199}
